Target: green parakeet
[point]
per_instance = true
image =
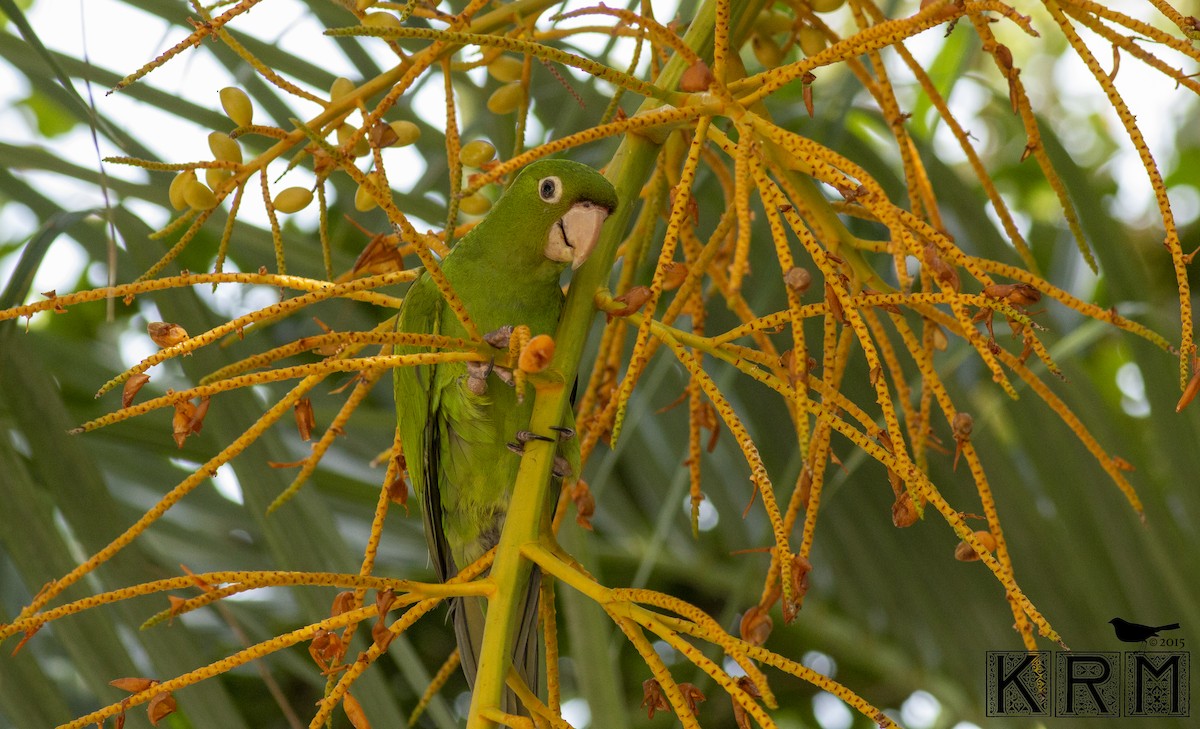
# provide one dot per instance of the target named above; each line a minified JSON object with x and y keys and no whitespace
{"x":457,"y":421}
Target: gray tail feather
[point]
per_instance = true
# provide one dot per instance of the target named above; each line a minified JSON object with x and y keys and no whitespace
{"x":469,"y":619}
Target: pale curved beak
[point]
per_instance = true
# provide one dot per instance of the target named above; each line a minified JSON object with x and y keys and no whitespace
{"x":574,"y":236}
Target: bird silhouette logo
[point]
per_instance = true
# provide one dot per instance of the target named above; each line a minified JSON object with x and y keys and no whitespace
{"x":1128,"y":632}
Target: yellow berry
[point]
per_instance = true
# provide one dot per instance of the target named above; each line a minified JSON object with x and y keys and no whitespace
{"x":341,"y":87}
{"x":476,"y":153}
{"x":214,"y":176}
{"x":811,"y":40}
{"x":224,"y":148}
{"x":506,"y":99}
{"x":198,"y":196}
{"x":361,"y":147}
{"x":474,"y":204}
{"x":505,"y":69}
{"x":175,"y":191}
{"x":237,"y":105}
{"x":381,"y":20}
{"x":772,"y":22}
{"x":825,"y":6}
{"x":406,"y":133}
{"x":293,"y":199}
{"x":766,"y":51}
{"x":364,"y":4}
{"x":363,"y":199}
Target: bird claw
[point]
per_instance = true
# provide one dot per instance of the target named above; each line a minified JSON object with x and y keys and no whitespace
{"x":499,"y":337}
{"x":524,"y":436}
{"x":561,"y":468}
{"x":477,"y":374}
{"x":564,"y":433}
{"x":517,"y":448}
{"x":506,"y":375}
{"x":479,"y":370}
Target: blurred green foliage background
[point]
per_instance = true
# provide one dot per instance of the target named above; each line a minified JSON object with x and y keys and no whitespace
{"x":890,"y":614}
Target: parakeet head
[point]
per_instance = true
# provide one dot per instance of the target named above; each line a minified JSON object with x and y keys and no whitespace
{"x":568,"y":201}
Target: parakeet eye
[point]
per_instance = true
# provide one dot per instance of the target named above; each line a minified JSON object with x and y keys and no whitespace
{"x":550,"y":188}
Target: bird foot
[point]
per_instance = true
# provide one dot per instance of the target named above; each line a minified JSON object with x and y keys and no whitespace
{"x":561,"y":468}
{"x":506,"y":375}
{"x":477,"y":374}
{"x":524,"y":436}
{"x":563,"y":432}
{"x":499,"y":338}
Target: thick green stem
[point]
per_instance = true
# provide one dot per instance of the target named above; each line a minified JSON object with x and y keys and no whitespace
{"x":629,"y":169}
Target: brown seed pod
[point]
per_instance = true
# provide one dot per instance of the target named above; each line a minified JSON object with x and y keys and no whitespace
{"x":397,"y":490}
{"x":160,"y":707}
{"x":166,"y":334}
{"x":354,"y":710}
{"x":343,"y":603}
{"x":692,"y":695}
{"x":633,"y":299}
{"x":801,"y":568}
{"x":1189,"y":392}
{"x":585,"y":504}
{"x":1018,"y":294}
{"x":188,"y":419}
{"x":962,"y":425}
{"x":674,"y":273}
{"x":798,"y":279}
{"x":940,"y":340}
{"x":326,"y":649}
{"x":740,"y":717}
{"x":755,"y":626}
{"x":834,"y":304}
{"x":697,"y":77}
{"x":133,"y":685}
{"x":944,"y":273}
{"x":653,"y":698}
{"x":305,"y":420}
{"x":132,"y":386}
{"x":966,"y":553}
{"x":904,"y":514}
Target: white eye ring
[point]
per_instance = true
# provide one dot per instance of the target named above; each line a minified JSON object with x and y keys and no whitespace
{"x":550,"y":189}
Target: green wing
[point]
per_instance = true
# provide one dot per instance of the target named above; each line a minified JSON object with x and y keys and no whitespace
{"x":416,"y":418}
